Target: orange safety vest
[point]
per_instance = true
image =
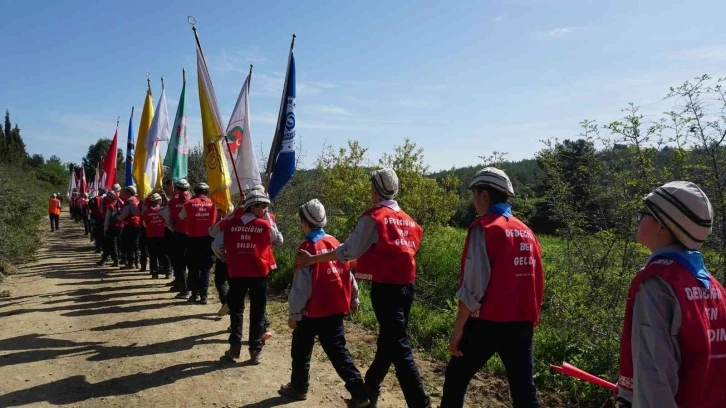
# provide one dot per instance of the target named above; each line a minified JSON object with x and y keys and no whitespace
{"x":54,"y":206}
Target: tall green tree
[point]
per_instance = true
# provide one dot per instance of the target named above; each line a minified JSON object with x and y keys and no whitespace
{"x":95,"y":155}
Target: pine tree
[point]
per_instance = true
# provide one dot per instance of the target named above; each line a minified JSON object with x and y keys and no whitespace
{"x":7,"y":128}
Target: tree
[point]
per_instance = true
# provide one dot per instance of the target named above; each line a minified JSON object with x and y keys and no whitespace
{"x":36,"y":161}
{"x":95,"y":155}
{"x":422,"y":197}
{"x":8,"y":127}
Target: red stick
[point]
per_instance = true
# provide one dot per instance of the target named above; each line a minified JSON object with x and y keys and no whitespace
{"x":575,"y":372}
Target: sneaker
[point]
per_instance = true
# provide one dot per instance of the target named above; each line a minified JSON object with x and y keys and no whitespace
{"x":167,"y":275}
{"x":173,"y":289}
{"x":256,"y":357}
{"x":266,"y":336}
{"x":126,"y":267}
{"x":172,"y":283}
{"x":115,"y":264}
{"x":203,"y":300}
{"x":101,"y":262}
{"x":224,"y":311}
{"x":234,"y":352}
{"x":290,"y":392}
{"x":182,"y":295}
{"x":142,"y":269}
{"x":192,"y":297}
{"x":154,"y":276}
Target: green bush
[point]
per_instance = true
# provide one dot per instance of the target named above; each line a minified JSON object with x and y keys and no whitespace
{"x":25,"y":207}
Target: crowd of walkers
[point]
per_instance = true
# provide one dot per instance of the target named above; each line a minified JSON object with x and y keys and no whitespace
{"x":673,"y":348}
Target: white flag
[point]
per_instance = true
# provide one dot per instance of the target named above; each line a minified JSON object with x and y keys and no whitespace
{"x":239,"y":135}
{"x":159,"y":132}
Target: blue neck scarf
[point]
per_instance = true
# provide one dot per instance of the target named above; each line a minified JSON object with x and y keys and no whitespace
{"x":315,"y":235}
{"x":503,"y":209}
{"x":692,"y":261}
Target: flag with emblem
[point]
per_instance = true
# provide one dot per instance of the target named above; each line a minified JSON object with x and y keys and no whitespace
{"x":218,"y":177}
{"x":281,"y":162}
{"x":241,"y":152}
{"x":177,"y":155}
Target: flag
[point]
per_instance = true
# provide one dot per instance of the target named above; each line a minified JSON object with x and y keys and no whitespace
{"x":71,"y":184}
{"x":217,"y":173}
{"x":130,"y":151}
{"x":159,"y":132}
{"x":281,"y":162}
{"x":76,"y":182}
{"x":239,"y":135}
{"x":83,"y":186}
{"x":140,"y":153}
{"x":109,"y":162}
{"x":177,"y":154}
{"x":96,"y":179}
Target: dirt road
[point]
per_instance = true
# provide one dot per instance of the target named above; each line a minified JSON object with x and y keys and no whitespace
{"x":78,"y":335}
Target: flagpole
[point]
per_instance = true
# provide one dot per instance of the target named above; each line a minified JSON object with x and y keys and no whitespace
{"x":274,"y":149}
{"x":193,"y":22}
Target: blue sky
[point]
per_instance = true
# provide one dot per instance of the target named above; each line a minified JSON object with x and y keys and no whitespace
{"x":461,"y":79}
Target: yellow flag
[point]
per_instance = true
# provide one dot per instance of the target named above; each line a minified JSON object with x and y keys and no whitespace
{"x":147,"y":115}
{"x":212,"y":134}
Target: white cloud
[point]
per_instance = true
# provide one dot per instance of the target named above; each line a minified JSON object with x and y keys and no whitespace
{"x":330,"y":110}
{"x":415,"y":103}
{"x":497,"y":19}
{"x":560,"y":32}
{"x":707,"y":52}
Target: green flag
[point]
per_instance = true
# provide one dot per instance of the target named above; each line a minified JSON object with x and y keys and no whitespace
{"x":177,"y":154}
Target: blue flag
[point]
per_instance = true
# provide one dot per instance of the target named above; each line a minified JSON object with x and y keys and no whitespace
{"x":130,"y":152}
{"x":281,"y":163}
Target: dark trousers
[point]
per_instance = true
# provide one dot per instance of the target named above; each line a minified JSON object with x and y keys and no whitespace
{"x":199,"y":262}
{"x":86,"y":224}
{"x":130,"y":244}
{"x":238,"y":288}
{"x":110,"y":244}
{"x":481,"y":339}
{"x":54,"y":220}
{"x":143,"y":248}
{"x":98,"y":232}
{"x":392,"y":305}
{"x":157,"y":254}
{"x":220,"y":278}
{"x":331,"y":333}
{"x":177,"y":253}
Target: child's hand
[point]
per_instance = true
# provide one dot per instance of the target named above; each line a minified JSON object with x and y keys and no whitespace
{"x":292,"y":324}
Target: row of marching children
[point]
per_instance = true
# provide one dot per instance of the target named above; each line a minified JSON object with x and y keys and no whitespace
{"x":673,"y":352}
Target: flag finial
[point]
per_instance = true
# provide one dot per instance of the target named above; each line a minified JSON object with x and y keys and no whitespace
{"x":162,"y":83}
{"x":292,"y":45}
{"x":192,"y":20}
{"x":132,"y":111}
{"x":148,"y":81}
{"x":118,"y":119}
{"x":184,"y":75}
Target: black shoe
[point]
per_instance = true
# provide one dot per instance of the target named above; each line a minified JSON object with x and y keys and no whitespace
{"x":182,"y":295}
{"x":358,"y":402}
{"x":115,"y":263}
{"x":192,"y":298}
{"x":154,"y":276}
{"x":142,"y":269}
{"x":167,"y":275}
{"x":203,"y":300}
{"x":290,"y":392}
{"x":173,"y":289}
{"x":234,"y":352}
{"x":101,"y":262}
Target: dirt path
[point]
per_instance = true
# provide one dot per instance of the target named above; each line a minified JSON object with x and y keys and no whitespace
{"x":78,"y":335}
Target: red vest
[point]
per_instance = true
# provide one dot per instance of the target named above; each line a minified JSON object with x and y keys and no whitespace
{"x":248,"y":247}
{"x":98,"y":208}
{"x":701,"y":339}
{"x":331,"y":281}
{"x":155,"y":223}
{"x":391,"y":260}
{"x":175,"y":206}
{"x":201,"y":214}
{"x":516,"y":282}
{"x":133,"y":220}
{"x":110,"y":206}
